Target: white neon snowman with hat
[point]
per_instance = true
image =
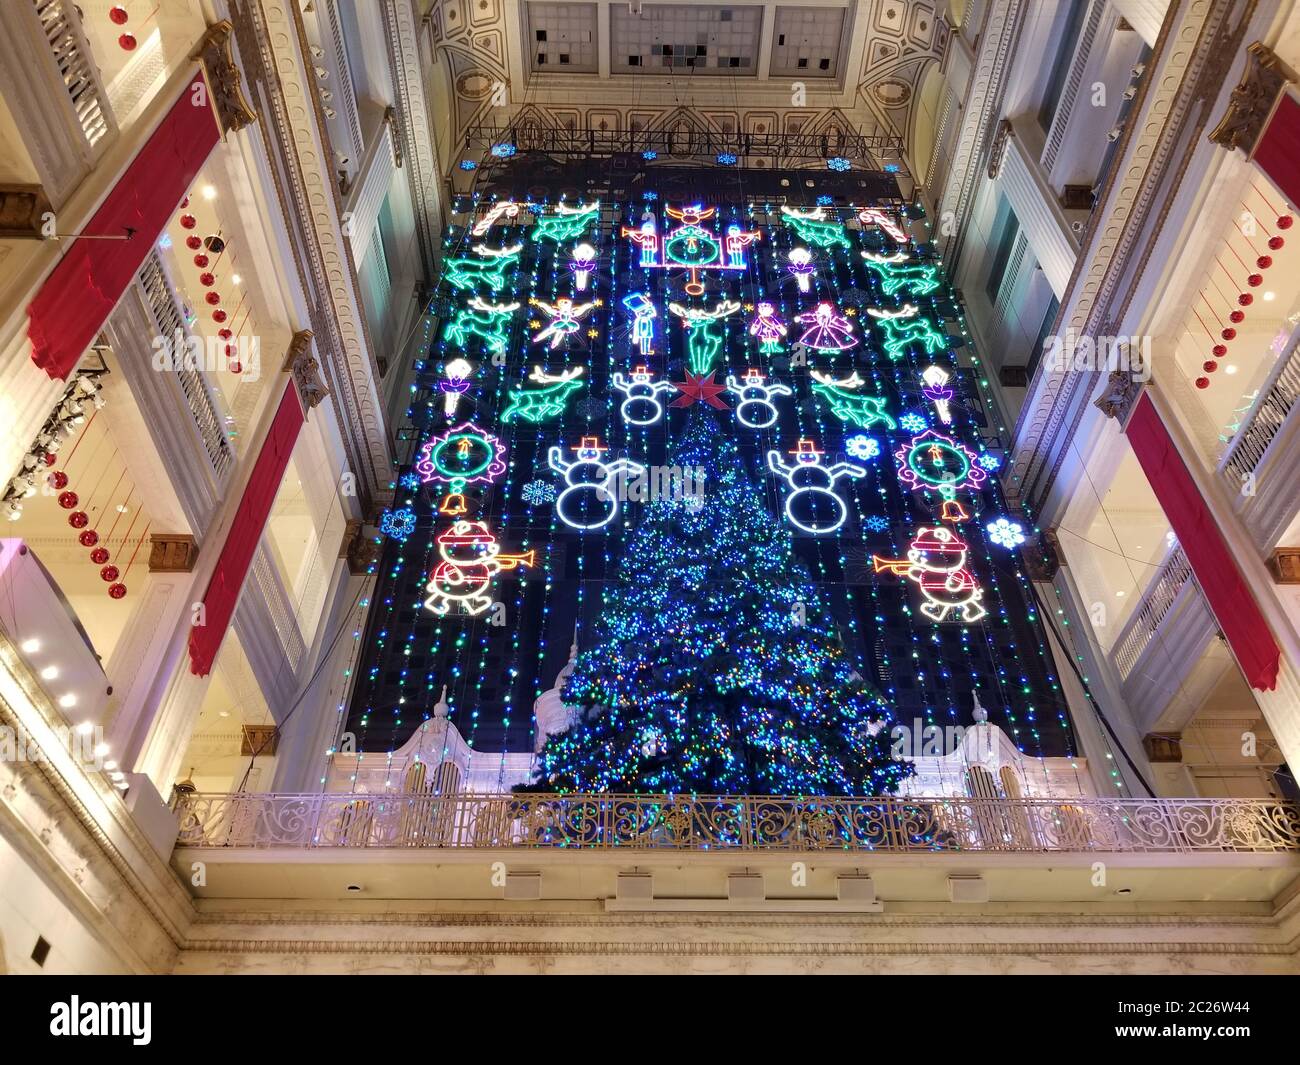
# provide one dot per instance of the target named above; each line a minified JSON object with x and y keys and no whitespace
{"x":756,"y":409}
{"x":590,"y":483}
{"x":813,"y":483}
{"x":642,"y":406}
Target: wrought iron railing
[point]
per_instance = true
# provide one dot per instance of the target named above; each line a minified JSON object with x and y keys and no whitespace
{"x":165,"y":309}
{"x":1157,"y":601}
{"x":1265,"y":420}
{"x":743,"y":823}
{"x":62,"y":31}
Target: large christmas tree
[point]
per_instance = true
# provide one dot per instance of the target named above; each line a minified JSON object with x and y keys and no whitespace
{"x":716,"y":667}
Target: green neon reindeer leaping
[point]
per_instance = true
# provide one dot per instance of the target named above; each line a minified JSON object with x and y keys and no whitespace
{"x":538,"y":404}
{"x":487,"y":321}
{"x":487,"y":268}
{"x":846,"y":402}
{"x":905,"y":326}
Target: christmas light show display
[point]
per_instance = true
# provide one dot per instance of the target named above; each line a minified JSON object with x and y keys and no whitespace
{"x":768,"y":532}
{"x":589,"y":500}
{"x":755,"y":409}
{"x":642,"y":405}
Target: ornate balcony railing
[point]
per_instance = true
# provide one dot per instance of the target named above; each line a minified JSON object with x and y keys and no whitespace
{"x":1264,"y":422}
{"x":742,"y":823}
{"x":62,"y":31}
{"x":1157,"y":601}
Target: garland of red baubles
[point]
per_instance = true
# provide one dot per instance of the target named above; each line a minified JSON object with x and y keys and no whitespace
{"x":1244,"y":299}
{"x":119,"y":16}
{"x":208,"y":279}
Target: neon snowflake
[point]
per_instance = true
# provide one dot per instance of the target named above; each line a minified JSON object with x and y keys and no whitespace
{"x":399,"y":524}
{"x":409,"y":481}
{"x":726,"y":159}
{"x":989,"y":461}
{"x":649,"y":155}
{"x":536,"y":493}
{"x":1008,"y":534}
{"x":913,"y":423}
{"x":876,"y":523}
{"x":468,"y":164}
{"x":862,"y":446}
{"x":825,"y":200}
{"x":839,"y":164}
{"x":503,"y":151}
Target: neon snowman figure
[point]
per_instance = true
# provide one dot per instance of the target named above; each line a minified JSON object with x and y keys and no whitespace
{"x":756,"y":409}
{"x":936,"y":564}
{"x":589,"y":482}
{"x":813,"y":483}
{"x":642,"y":406}
{"x":470,"y":559}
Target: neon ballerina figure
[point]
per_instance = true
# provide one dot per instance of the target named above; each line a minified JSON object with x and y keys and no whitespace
{"x":565,"y":316}
{"x":581,"y":263}
{"x":827,"y":329}
{"x":801,"y":267}
{"x":642,"y":309}
{"x":768,"y":328}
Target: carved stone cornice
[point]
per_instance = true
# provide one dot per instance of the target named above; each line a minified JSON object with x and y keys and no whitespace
{"x":214,"y":51}
{"x":272,"y":46}
{"x":172,"y":553}
{"x":1193,"y":56}
{"x":1252,"y":100}
{"x":23,"y":211}
{"x":999,"y":148}
{"x":300,"y":361}
{"x":413,"y":126}
{"x":983,"y":102}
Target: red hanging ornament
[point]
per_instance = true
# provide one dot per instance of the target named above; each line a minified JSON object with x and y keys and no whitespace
{"x":1255,"y":280}
{"x":193,"y":242}
{"x":1237,"y":316}
{"x":188,"y":221}
{"x":185,"y":203}
{"x":89,"y":538}
{"x":235,"y":366}
{"x":78,"y":519}
{"x":1264,"y":262}
{"x":127,"y":42}
{"x":117,"y":591}
{"x":207,"y":280}
{"x":1245,"y":299}
{"x":58,"y":479}
{"x":68,"y":500}
{"x":51,"y":458}
{"x":109,"y":574}
{"x":1229,"y":333}
{"x":200,"y":260}
{"x":1202,"y":382}
{"x":1284,"y":221}
{"x":1209,"y":366}
{"x":224,"y":334}
{"x":213,"y":298}
{"x":1276,"y":242}
{"x":1220,"y":350}
{"x":117,"y":14}
{"x":219,"y":316}
{"x":99,"y":556}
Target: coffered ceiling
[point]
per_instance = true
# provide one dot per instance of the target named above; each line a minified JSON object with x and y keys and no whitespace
{"x":791,"y":67}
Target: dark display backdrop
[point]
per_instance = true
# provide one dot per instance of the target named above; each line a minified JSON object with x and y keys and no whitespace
{"x":494,"y":672}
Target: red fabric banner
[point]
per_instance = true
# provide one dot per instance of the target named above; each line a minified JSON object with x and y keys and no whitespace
{"x":245,"y":531}
{"x":1278,"y":150}
{"x":1225,"y":589}
{"x":88,"y":281}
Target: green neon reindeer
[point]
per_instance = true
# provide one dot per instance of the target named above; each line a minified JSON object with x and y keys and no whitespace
{"x":487,"y":321}
{"x":848,"y":405}
{"x":488,"y":268}
{"x":703,"y":339}
{"x":538,"y":404}
{"x":905,"y":326}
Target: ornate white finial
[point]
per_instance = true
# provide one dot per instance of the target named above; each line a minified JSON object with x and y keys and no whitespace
{"x":440,"y":710}
{"x":979,"y":713}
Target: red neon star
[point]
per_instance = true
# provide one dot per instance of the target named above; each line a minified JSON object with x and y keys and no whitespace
{"x":699,"y":388}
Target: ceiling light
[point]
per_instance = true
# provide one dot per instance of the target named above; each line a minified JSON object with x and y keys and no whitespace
{"x":1269,"y":297}
{"x":235,"y":279}
{"x":1230,"y":369}
{"x":101,"y":749}
{"x":123,"y":784}
{"x":1119,"y":595}
{"x":117,"y":775}
{"x":85,"y":728}
{"x":110,"y":765}
{"x":67,"y":700}
{"x":223,"y":713}
{"x":49,"y":672}
{"x":30,"y":647}
{"x":209,"y":192}
{"x":121,"y":508}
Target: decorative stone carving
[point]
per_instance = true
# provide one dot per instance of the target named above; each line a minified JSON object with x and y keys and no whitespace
{"x":301,"y":361}
{"x":1042,"y":557}
{"x":22,"y":212}
{"x":999,"y":148}
{"x":228,"y":99}
{"x":360,"y":547}
{"x":172,"y":553}
{"x":259,"y":741}
{"x":1251,"y":102}
{"x":1119,"y":396}
{"x":1163,"y":748}
{"x":1285,"y":564}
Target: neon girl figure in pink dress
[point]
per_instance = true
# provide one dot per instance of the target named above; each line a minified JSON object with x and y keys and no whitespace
{"x":827,"y":330}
